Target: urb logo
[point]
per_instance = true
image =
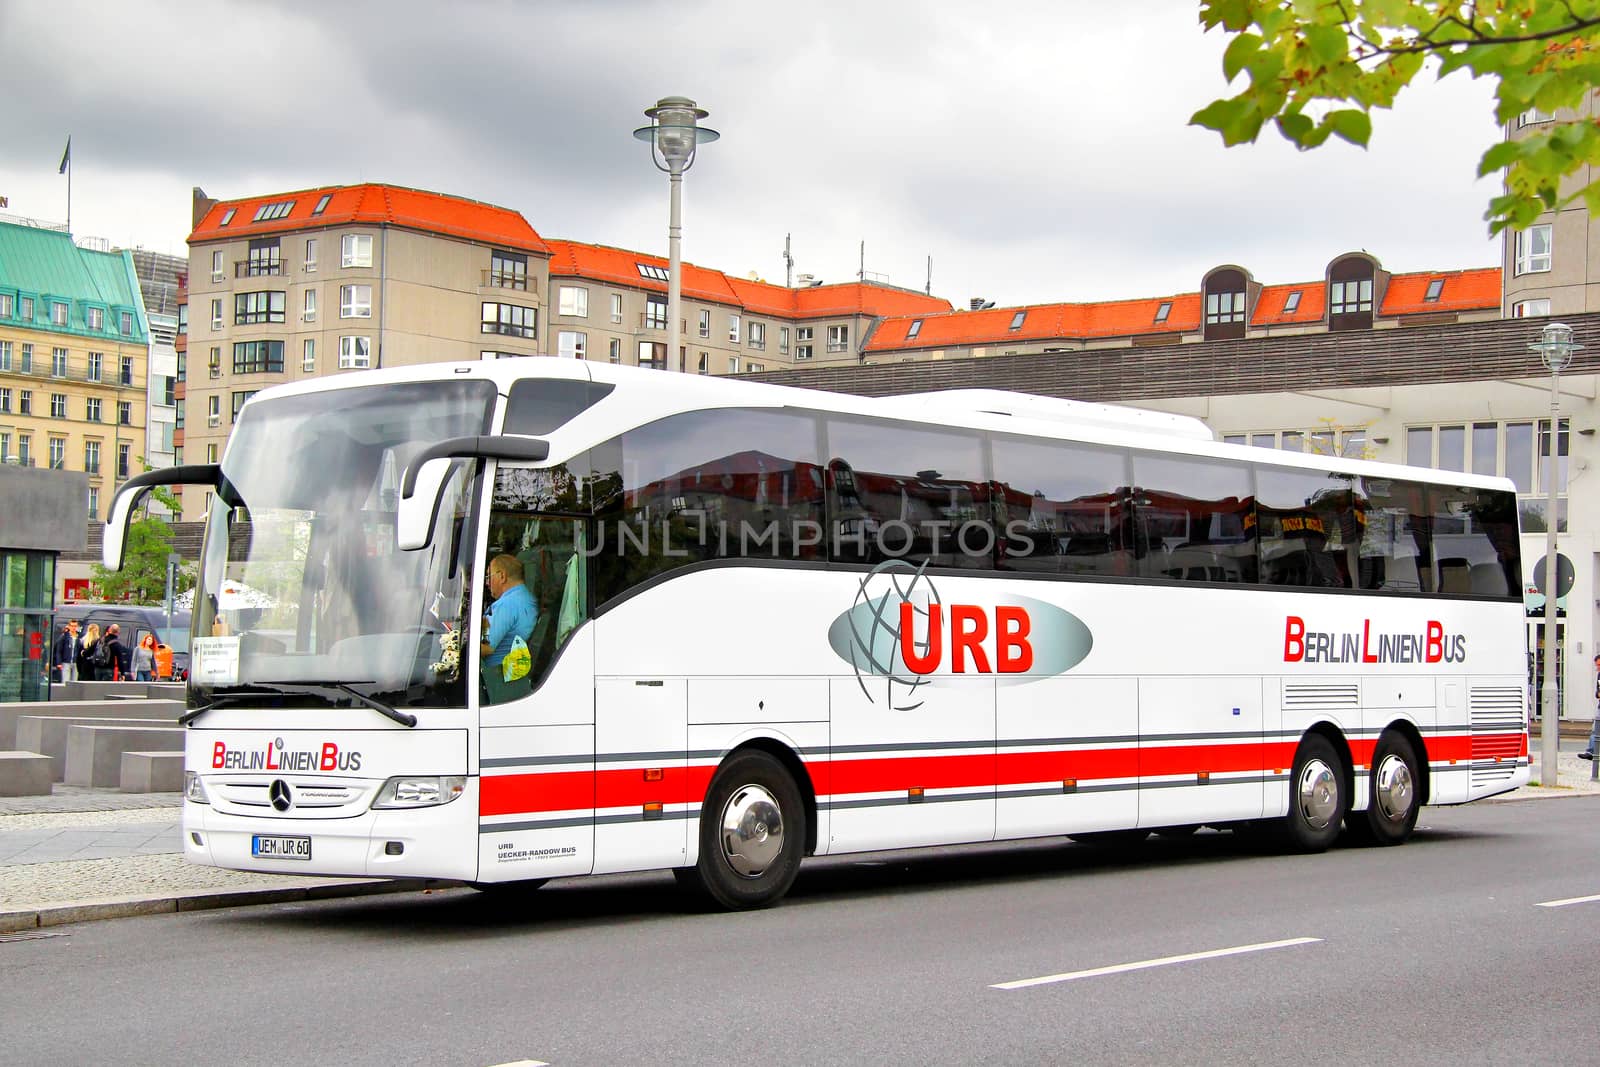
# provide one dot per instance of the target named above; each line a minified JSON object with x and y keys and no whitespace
{"x":900,"y":630}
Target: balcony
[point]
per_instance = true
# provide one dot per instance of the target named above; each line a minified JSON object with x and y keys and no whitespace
{"x":504,"y":279}
{"x":648,"y":321}
{"x":257,"y":268}
{"x":18,"y":461}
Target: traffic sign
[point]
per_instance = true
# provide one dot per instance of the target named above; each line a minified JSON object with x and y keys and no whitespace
{"x":1564,"y":575}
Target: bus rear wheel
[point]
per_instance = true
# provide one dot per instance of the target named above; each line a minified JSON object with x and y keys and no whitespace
{"x":752,"y":833}
{"x":1392,"y":800}
{"x":1317,"y":797}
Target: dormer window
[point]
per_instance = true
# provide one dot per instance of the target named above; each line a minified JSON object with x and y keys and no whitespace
{"x":1226,"y":303}
{"x":322,"y":205}
{"x":1352,"y":293}
{"x":227,"y":217}
{"x":916,"y":328}
{"x":1291,"y":303}
{"x":269,"y":212}
{"x":650,"y":270}
{"x":1435,"y":287}
{"x":1163,"y":310}
{"x":1018,"y":319}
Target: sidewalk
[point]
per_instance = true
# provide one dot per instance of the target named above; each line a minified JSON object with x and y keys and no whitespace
{"x":99,"y":854}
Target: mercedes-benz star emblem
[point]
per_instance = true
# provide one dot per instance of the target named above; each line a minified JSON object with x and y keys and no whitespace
{"x":279,"y":794}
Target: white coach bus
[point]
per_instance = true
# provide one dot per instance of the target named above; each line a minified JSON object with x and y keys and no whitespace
{"x":775,"y":623}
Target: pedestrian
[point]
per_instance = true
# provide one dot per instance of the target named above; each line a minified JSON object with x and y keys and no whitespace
{"x":1594,"y":730}
{"x":120,"y":654}
{"x":510,"y":619}
{"x":89,"y":654}
{"x":144,"y":659}
{"x":64,"y":654}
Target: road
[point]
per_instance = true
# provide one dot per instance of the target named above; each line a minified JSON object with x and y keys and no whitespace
{"x":1437,"y":952}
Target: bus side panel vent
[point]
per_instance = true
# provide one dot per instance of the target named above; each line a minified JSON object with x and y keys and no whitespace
{"x":1316,"y":696}
{"x":1498,"y":725}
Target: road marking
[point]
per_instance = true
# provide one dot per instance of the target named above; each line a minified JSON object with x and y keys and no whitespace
{"x":1569,"y":900}
{"x":1096,"y":972}
{"x":523,"y":1063}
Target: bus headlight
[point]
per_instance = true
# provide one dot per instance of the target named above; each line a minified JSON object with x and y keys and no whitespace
{"x":194,"y":789}
{"x":411,"y":791}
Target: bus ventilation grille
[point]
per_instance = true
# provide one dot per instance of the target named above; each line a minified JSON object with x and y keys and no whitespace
{"x":1307,"y":697}
{"x":1499,"y":729}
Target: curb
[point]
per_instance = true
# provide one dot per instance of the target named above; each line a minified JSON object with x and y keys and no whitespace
{"x":91,"y":910}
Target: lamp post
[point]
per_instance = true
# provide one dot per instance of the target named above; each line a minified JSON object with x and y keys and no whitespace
{"x":1555,"y":349}
{"x":674,"y":134}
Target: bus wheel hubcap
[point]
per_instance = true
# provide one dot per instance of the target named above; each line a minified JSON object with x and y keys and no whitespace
{"x":752,"y":831}
{"x":1319,"y":794}
{"x":1394,"y":790}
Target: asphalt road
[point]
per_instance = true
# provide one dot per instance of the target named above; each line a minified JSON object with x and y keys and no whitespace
{"x":1437,"y":952}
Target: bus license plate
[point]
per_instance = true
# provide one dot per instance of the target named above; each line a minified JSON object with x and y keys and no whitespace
{"x":280,"y":848}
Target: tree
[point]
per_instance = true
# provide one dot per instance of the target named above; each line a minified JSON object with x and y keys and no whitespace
{"x":1317,"y":68}
{"x":143,"y":577}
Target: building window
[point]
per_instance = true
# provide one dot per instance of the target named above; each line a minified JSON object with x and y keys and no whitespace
{"x":1163,"y":309}
{"x":1524,"y":309}
{"x":838,"y":338}
{"x":5,"y":355}
{"x":126,"y":377}
{"x":58,"y":405}
{"x":94,"y":503}
{"x":169,"y":390}
{"x":574,"y":301}
{"x":1520,"y":451}
{"x":125,"y":413}
{"x":58,"y":453}
{"x":1435,"y":288}
{"x":513,"y":320}
{"x":705,"y":322}
{"x":125,"y":323}
{"x":1531,"y":117}
{"x":1017,"y":320}
{"x":239,"y":401}
{"x":655,"y":313}
{"x":310,"y":312}
{"x":322,"y":204}
{"x":216,"y":265}
{"x":58,"y":313}
{"x":355,"y":301}
{"x":95,"y":359}
{"x":266,"y":257}
{"x":508,"y":270}
{"x":5,"y":403}
{"x":733,"y":364}
{"x":216,"y":314}
{"x":122,"y":460}
{"x":356,"y":250}
{"x":24,"y":401}
{"x":1350,"y":297}
{"x":1224,"y":308}
{"x":648,"y":270}
{"x":614,"y":350}
{"x":308,"y":356}
{"x":783,"y":338}
{"x":6,"y":305}
{"x":1291,"y":303}
{"x":270,"y":212}
{"x":95,"y":318}
{"x":572,"y":344}
{"x":58,"y":363}
{"x":616,"y":307}
{"x":214,"y":408}
{"x":802,"y":352}
{"x":758,"y":335}
{"x":25,"y":449}
{"x":733,"y":329}
{"x":214,"y":363}
{"x":91,"y":409}
{"x":211,"y":452}
{"x":91,"y":457}
{"x":1533,"y":249}
{"x":258,"y":357}
{"x":5,"y":447}
{"x":252,"y":308}
{"x":25,"y":308}
{"x":311,"y":255}
{"x":355,"y":352}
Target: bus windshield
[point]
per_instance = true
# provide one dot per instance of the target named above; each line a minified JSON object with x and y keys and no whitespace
{"x":301,"y":582}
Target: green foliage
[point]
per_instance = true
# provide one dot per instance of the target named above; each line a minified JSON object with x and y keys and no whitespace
{"x":1317,"y":68}
{"x":143,"y":577}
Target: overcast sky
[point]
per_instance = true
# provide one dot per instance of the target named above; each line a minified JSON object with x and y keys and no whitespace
{"x":1037,"y":151}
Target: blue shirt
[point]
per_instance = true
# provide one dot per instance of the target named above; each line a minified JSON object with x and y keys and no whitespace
{"x":513,"y":615}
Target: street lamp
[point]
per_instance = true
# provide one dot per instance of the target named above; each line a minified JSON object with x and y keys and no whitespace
{"x":674,"y":134}
{"x":1555,"y":349}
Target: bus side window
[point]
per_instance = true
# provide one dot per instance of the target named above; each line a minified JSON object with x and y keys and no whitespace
{"x":1307,"y":525}
{"x":1194,"y":519}
{"x":1475,"y":540}
{"x":1396,"y":542}
{"x":1063,"y":507}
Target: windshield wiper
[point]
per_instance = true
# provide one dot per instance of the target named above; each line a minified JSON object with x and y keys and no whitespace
{"x":326,"y":690}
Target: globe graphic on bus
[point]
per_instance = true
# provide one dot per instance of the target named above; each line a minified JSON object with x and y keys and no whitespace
{"x":868,"y":635}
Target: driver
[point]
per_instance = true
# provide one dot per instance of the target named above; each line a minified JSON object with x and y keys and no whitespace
{"x":512,"y":615}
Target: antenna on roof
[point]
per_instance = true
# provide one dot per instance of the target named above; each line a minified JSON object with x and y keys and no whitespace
{"x":861,"y":270}
{"x":788,"y":264}
{"x":929,"y":287}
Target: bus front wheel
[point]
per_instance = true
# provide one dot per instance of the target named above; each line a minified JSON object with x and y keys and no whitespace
{"x":1392,"y":802}
{"x":1317,"y":800}
{"x":752,"y":833}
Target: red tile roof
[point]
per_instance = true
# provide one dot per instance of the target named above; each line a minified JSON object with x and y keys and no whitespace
{"x":620,"y":266}
{"x":1464,"y":290}
{"x":373,"y":204}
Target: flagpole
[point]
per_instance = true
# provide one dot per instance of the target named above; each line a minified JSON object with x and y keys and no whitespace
{"x":66,"y":168}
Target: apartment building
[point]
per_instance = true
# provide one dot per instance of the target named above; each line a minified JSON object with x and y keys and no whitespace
{"x":161,"y":278}
{"x":74,"y":352}
{"x":324,"y":281}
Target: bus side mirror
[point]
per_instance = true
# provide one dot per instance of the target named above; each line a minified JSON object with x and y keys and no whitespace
{"x":423,"y":482}
{"x":133,"y":490}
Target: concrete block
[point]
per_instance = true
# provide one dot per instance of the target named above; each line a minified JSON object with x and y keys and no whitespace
{"x":96,"y":709}
{"x":152,"y":772}
{"x":94,"y":753}
{"x":47,"y":735}
{"x":24,"y":774}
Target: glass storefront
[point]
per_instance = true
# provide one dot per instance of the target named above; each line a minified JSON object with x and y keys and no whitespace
{"x":27,"y":584}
